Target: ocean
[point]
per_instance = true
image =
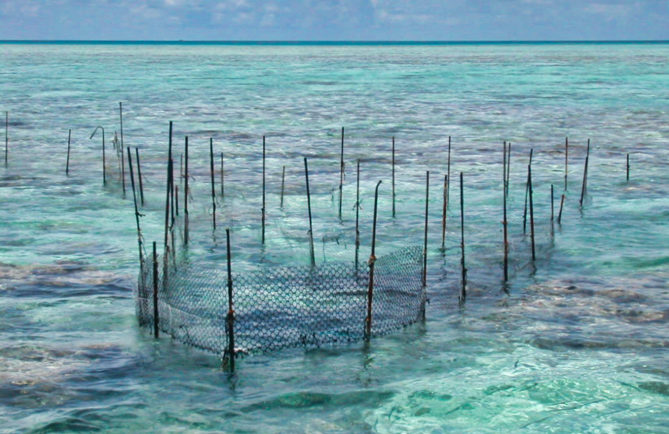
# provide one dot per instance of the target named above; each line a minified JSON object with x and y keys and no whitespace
{"x":575,"y":341}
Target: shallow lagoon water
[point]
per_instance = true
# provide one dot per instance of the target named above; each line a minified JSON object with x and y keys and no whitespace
{"x":576,"y":342}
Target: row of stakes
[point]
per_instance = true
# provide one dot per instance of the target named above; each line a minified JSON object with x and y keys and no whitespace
{"x":172,"y":208}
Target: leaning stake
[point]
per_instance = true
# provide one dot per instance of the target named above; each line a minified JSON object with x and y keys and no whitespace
{"x":529,"y":177}
{"x":230,"y":319}
{"x":134,"y":198}
{"x":371,"y":262}
{"x":463,"y":290}
{"x":139,"y":177}
{"x":311,"y":229}
{"x":67,"y":164}
{"x":585,"y":175}
{"x":559,"y":219}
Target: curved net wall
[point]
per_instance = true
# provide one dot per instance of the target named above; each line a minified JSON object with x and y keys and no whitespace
{"x":283,"y":307}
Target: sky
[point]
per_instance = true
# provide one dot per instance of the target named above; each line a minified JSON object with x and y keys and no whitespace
{"x":448,"y":20}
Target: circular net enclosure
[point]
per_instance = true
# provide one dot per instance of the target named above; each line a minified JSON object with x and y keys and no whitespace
{"x":282,"y":306}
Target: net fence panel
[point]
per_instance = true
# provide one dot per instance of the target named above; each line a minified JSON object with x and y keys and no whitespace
{"x":283,"y":307}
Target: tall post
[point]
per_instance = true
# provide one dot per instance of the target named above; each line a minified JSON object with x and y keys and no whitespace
{"x":552,"y":211}
{"x":156,"y":329}
{"x":311,"y":229}
{"x":443,"y":215}
{"x":463,"y":289}
{"x":134,"y":198}
{"x":230,"y":319}
{"x":448,"y":173}
{"x":427,"y":205}
{"x":357,"y":213}
{"x":211,"y":171}
{"x":186,"y":217}
{"x":139,"y":177}
{"x":168,"y":180}
{"x":120,"y":115}
{"x":529,"y":177}
{"x":263,"y":190}
{"x":283,"y":183}
{"x":508,"y":167}
{"x":6,"y":136}
{"x":585,"y":175}
{"x":393,"y":174}
{"x":527,"y":190}
{"x":371,"y":262}
{"x":104,"y":159}
{"x":341,"y":171}
{"x":504,"y":165}
{"x":504,"y":221}
{"x":67,"y":164}
{"x":566,"y":161}
{"x":628,"y":168}
{"x":123,"y":171}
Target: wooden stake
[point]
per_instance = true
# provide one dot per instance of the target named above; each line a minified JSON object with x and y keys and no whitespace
{"x":566,"y":161}
{"x":67,"y":165}
{"x":527,"y":190}
{"x":628,"y":167}
{"x":371,"y":262}
{"x":120,"y":115}
{"x":211,"y":171}
{"x":263,"y":190}
{"x":230,"y":319}
{"x":168,"y":180}
{"x":448,"y":174}
{"x":341,"y":171}
{"x":6,"y":136}
{"x":463,"y":290}
{"x":134,"y":199}
{"x":311,"y":229}
{"x":186,"y":217}
{"x":283,"y":183}
{"x":427,"y":204}
{"x":139,"y":176}
{"x":559,"y":219}
{"x":585,"y":176}
{"x":508,"y":167}
{"x":529,"y":177}
{"x":357,"y":213}
{"x":504,"y":220}
{"x":156,"y":329}
{"x":443,"y":215}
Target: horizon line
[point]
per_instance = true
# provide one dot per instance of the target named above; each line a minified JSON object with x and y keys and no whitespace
{"x":331,"y":42}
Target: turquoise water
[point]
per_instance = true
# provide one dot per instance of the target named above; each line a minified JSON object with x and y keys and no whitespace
{"x":576,"y":341}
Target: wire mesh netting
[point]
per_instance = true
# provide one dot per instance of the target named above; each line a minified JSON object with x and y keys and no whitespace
{"x":283,"y":307}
